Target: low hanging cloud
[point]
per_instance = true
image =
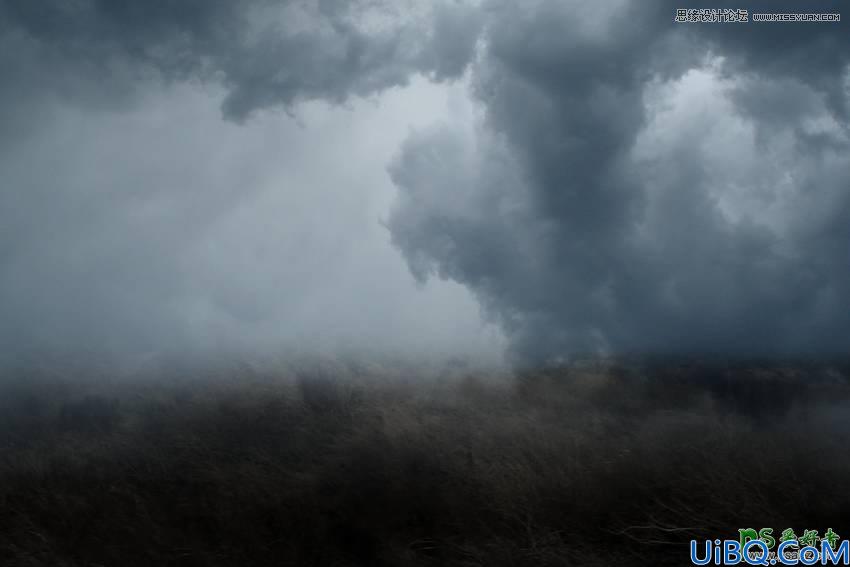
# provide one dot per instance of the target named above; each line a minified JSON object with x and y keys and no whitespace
{"x":148,"y":203}
{"x":267,"y":53}
{"x":637,"y":185}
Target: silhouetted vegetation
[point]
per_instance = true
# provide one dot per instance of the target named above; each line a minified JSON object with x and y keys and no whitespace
{"x":597,"y":463}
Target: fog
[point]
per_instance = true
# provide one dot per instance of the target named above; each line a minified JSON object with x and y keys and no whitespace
{"x":162,"y":227}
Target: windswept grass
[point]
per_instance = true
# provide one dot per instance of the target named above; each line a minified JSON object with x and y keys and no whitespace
{"x":325,"y":464}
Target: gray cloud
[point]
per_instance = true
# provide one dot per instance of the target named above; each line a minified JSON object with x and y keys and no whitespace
{"x":267,"y":53}
{"x":134,"y":219}
{"x":164,"y":228}
{"x":640,"y":186}
{"x":631,"y":184}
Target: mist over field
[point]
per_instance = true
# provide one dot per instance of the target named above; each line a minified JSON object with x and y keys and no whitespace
{"x":450,"y":282}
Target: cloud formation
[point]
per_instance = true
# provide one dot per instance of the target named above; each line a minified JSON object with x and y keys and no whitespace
{"x":133,"y":219}
{"x":641,"y":186}
{"x":630,"y":184}
{"x":267,"y":53}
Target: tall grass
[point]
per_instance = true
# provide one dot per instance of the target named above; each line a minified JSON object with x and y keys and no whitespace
{"x":599,"y":463}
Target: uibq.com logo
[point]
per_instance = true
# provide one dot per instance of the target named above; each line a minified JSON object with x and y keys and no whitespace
{"x":762,"y":547}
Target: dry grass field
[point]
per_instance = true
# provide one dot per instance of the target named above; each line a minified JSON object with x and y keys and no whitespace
{"x":341,"y":464}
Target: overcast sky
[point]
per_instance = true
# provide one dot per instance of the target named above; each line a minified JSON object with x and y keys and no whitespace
{"x":539,"y":178}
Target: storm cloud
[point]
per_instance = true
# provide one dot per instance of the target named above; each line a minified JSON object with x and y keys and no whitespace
{"x":266,"y":53}
{"x":596,"y":177}
{"x":639,"y":186}
{"x":148,"y":203}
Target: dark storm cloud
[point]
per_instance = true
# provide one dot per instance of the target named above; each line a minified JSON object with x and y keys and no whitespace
{"x":266,"y":52}
{"x":641,"y":186}
{"x":633,"y":185}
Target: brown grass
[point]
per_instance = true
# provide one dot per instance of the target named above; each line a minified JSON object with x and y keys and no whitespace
{"x":326,"y":464}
